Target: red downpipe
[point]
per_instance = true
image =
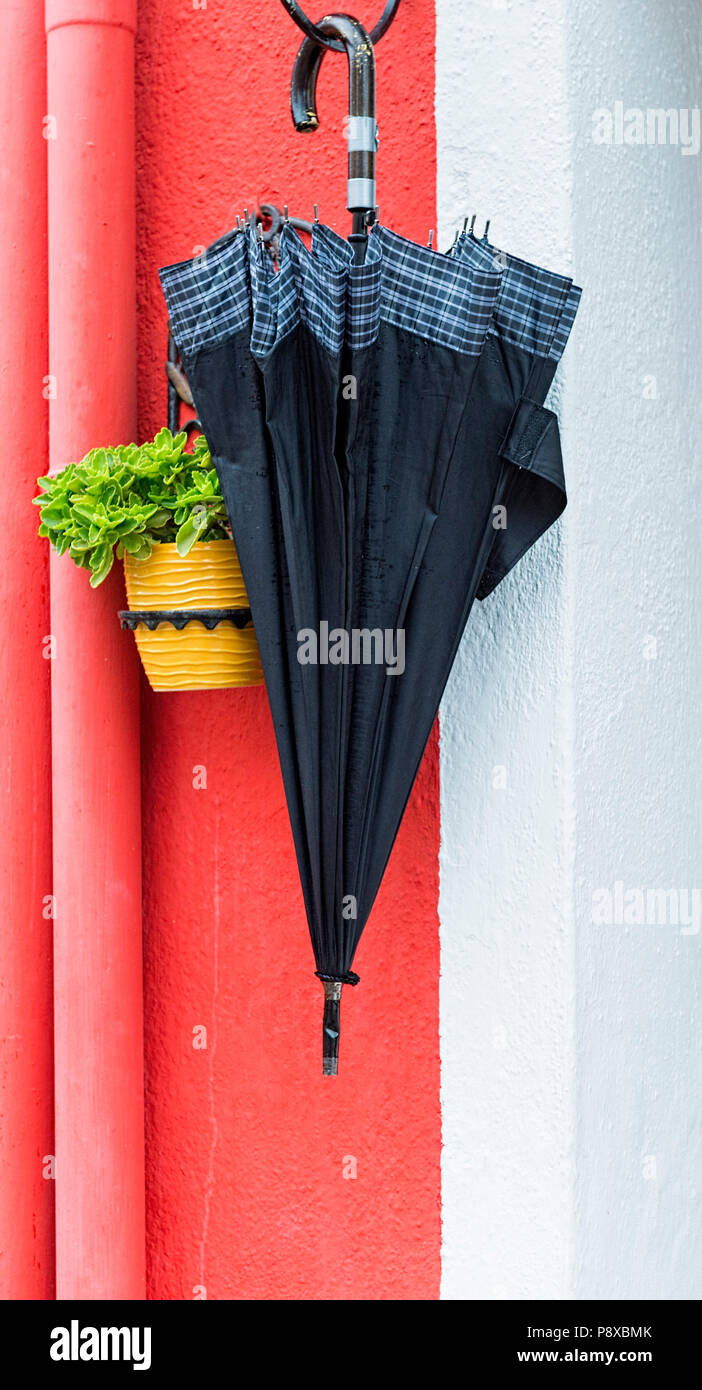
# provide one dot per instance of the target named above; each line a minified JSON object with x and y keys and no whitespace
{"x":98,"y":1030}
{"x":26,"y":1082}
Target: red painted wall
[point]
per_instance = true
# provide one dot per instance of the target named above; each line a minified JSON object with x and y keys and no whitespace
{"x":247,"y":1144}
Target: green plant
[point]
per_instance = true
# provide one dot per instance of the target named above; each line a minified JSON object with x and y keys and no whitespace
{"x":131,"y":498}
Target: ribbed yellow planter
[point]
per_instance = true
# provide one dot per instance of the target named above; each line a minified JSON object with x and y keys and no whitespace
{"x":194,"y":657}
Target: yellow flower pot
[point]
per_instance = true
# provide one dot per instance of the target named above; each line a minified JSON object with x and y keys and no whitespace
{"x":193,"y":656}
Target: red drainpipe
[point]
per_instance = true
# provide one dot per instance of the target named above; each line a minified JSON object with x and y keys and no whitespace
{"x":26,"y":1083}
{"x":95,"y":691}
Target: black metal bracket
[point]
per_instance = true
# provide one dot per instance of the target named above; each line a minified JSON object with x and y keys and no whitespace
{"x":178,"y":390}
{"x":276,"y":220}
{"x":180,"y":617}
{"x":315,"y":32}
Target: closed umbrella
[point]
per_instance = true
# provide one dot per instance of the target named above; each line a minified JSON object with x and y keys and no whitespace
{"x":370,"y":420}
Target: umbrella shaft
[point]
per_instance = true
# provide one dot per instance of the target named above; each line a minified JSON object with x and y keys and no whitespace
{"x":362,"y":137}
{"x":359,"y":238}
{"x":362,"y":131}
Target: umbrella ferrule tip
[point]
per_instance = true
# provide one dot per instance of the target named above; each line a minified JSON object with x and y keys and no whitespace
{"x":330,"y":1066}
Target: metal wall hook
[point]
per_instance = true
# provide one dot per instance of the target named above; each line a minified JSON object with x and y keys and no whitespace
{"x":178,"y":390}
{"x":318,"y":35}
{"x":301,"y":224}
{"x":275,"y":218}
{"x":278,"y":220}
{"x":178,"y":379}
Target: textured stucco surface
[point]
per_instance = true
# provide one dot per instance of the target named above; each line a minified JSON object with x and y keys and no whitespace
{"x":265,"y":1180}
{"x":570,"y":1051}
{"x":634,"y":534}
{"x":504,"y":145}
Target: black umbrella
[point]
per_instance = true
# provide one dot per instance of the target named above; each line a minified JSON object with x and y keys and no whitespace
{"x":373,"y":424}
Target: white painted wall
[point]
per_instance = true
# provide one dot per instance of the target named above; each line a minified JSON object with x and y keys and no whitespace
{"x":570,"y":1051}
{"x":634,"y":531}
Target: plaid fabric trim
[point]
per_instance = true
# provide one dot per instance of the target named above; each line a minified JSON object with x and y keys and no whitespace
{"x":274,"y":300}
{"x":362,"y":283}
{"x":321,"y":287}
{"x":208,"y":298}
{"x":234,"y":285}
{"x":412,"y":287}
{"x":535,"y":307}
{"x":308,"y":287}
{"x":265,"y":295}
{"x":565,"y":323}
{"x":431,"y":295}
{"x":365,"y":297}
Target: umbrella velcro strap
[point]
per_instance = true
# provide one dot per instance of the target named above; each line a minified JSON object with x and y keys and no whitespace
{"x":350,"y":978}
{"x":532,"y":441}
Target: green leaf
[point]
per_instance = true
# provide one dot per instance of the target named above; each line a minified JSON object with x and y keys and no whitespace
{"x":100,"y":461}
{"x":131,"y":497}
{"x":100,"y":564}
{"x":136,"y":544}
{"x":191,"y":530}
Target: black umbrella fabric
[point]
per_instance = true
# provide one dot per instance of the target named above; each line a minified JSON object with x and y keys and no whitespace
{"x":368,"y":423}
{"x":504,"y":488}
{"x":533,"y":317}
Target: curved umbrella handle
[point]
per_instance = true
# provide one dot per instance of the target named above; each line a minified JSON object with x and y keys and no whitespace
{"x":303,"y":88}
{"x":361,"y":124}
{"x":362,"y":130}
